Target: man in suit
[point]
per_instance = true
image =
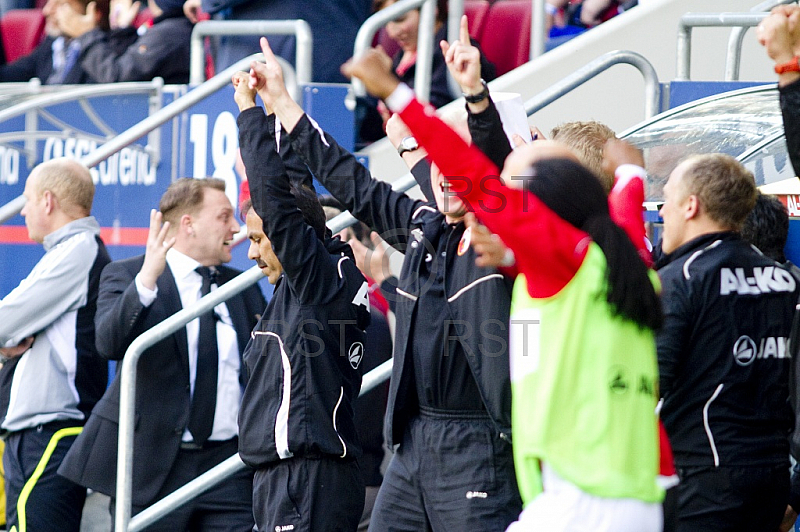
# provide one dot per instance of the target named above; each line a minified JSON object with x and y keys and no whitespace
{"x":179,"y":384}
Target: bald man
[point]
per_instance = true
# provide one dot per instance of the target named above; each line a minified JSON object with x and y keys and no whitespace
{"x":52,"y":375}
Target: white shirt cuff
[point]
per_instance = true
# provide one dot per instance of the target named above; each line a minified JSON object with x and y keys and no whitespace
{"x":146,"y":296}
{"x":399,"y":98}
{"x":626,"y":172}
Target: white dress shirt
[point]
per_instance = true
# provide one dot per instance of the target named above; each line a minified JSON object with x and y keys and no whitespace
{"x":229,"y":392}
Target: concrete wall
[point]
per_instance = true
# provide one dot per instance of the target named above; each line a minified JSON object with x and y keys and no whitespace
{"x":616,"y":96}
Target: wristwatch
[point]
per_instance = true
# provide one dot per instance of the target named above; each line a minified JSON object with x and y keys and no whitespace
{"x":791,"y":65}
{"x":407,"y":144}
{"x":475,"y":98}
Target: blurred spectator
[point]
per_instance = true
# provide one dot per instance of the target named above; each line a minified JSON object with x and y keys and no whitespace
{"x":334,"y":24}
{"x":57,"y":59}
{"x":584,"y":13}
{"x":125,"y":54}
{"x":8,"y":5}
{"x":405,"y":30}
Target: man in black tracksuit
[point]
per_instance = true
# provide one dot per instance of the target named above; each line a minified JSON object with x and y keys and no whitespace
{"x":296,"y":423}
{"x":449,"y":405}
{"x":723,"y":353}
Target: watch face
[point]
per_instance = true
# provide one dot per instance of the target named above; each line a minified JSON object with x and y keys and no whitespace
{"x":409,"y":143}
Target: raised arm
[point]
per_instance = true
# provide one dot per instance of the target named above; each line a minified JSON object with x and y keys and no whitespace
{"x":312,"y":274}
{"x":515,"y":215}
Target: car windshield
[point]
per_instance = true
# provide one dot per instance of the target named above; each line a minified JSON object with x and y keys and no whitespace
{"x":731,"y":124}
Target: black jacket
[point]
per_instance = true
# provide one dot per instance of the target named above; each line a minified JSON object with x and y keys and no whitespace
{"x":39,"y":64}
{"x":722,"y":353}
{"x":122,"y":55}
{"x":479,"y":297}
{"x":790,"y":107}
{"x":304,"y":355}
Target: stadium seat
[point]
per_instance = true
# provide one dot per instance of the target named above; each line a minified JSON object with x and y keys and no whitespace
{"x":22,"y":30}
{"x":476,"y":11}
{"x":506,"y":34}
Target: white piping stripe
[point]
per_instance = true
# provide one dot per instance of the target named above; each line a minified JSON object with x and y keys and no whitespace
{"x":697,"y":254}
{"x":403,"y":293}
{"x":339,"y":266}
{"x":708,"y":428}
{"x":282,"y":418}
{"x":472,"y":285}
{"x":341,"y":394}
{"x":421,"y":208}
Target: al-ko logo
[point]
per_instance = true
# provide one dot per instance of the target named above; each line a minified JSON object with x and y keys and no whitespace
{"x":746,"y":350}
{"x":129,"y":166}
{"x":761,"y":281}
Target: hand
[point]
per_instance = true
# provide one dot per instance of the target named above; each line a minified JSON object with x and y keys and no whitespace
{"x":490,"y":249}
{"x":775,"y":34}
{"x":244,"y":96}
{"x":618,"y":152}
{"x":192,"y":10}
{"x":155,"y":254}
{"x":267,"y":77}
{"x":373,"y":263}
{"x":464,"y":61}
{"x":789,"y":517}
{"x":374,"y":69}
{"x":24,"y":345}
{"x":74,"y":24}
{"x":123,"y":13}
{"x":396,"y":130}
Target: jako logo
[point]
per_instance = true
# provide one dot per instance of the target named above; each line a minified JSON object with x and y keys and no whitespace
{"x":745,"y":350}
{"x":477,"y":495}
{"x":284,"y":528}
{"x":355,"y":354}
{"x":764,"y":280}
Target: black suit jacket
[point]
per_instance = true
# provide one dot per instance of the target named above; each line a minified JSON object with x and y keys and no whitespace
{"x":162,"y":399}
{"x":39,"y":64}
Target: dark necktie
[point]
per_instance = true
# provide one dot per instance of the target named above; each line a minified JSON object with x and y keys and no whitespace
{"x":204,"y":401}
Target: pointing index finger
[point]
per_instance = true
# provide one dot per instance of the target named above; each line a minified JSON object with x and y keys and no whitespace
{"x":266,"y":50}
{"x":464,"y":33}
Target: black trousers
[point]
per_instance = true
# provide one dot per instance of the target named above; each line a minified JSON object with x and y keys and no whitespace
{"x":732,"y":499}
{"x":308,"y":494}
{"x":226,"y":507}
{"x":37,"y":499}
{"x":452,"y":472}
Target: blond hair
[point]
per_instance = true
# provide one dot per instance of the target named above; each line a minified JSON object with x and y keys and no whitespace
{"x":587,"y":139}
{"x":70,"y":182}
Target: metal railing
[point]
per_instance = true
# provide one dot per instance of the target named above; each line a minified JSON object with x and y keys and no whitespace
{"x":427,"y":16}
{"x":706,"y":20}
{"x":304,"y":43}
{"x":124,"y":491}
{"x":652,"y":88}
{"x":733,"y":59}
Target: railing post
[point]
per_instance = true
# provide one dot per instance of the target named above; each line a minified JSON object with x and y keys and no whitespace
{"x":424,"y":67}
{"x":602,"y":63}
{"x":538,"y":28}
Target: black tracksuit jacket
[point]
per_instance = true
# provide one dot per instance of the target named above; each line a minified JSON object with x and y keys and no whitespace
{"x":304,"y":354}
{"x":723,"y":356}
{"x":477,"y":296}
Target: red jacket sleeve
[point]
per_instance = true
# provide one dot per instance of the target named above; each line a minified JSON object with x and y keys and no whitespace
{"x":548,"y":250}
{"x":625,"y":205}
